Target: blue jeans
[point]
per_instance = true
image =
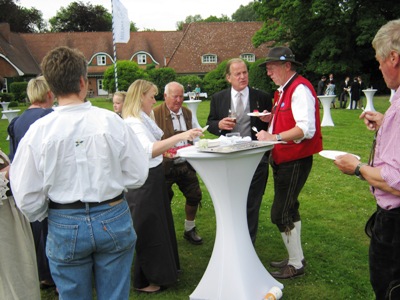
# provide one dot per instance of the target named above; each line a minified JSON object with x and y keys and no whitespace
{"x":91,"y":242}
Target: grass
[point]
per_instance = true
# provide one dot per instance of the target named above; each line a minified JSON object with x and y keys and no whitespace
{"x":334,"y":210}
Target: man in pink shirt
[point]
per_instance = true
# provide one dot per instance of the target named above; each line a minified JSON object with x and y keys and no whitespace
{"x":383,"y":170}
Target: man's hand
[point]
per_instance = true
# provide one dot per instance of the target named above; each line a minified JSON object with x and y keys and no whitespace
{"x":372,"y":119}
{"x":227,"y":124}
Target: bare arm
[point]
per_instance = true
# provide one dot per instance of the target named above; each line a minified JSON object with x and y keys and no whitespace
{"x":160,"y":147}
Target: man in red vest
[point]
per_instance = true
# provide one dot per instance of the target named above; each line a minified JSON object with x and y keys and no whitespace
{"x":296,"y":123}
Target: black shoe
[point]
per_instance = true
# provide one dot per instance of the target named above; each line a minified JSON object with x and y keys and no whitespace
{"x":193,"y":237}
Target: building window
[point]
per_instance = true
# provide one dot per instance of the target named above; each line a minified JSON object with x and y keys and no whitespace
{"x":101,"y":60}
{"x":100,"y":84}
{"x":141,"y":59}
{"x":209,"y":59}
{"x":249,"y":57}
{"x":4,"y":90}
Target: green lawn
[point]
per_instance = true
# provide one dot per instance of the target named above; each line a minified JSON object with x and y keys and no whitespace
{"x":334,"y":210}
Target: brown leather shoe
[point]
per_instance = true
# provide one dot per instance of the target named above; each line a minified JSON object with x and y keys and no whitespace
{"x":283,"y":263}
{"x":193,"y":237}
{"x":288,"y":272}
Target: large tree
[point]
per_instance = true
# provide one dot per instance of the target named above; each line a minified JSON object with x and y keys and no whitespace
{"x":245,"y":13}
{"x":21,"y":19}
{"x":80,"y":17}
{"x":327,"y":35}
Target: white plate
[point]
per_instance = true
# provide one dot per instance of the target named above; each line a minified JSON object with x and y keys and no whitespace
{"x":332,"y":154}
{"x":260,"y":114}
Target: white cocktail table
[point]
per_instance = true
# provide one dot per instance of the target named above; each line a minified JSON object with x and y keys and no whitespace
{"x":234,"y":270}
{"x":326,"y":105}
{"x":192,"y":105}
{"x":369,"y":94}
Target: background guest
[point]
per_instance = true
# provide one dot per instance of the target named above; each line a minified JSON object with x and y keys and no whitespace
{"x":355,"y":93}
{"x":118,"y":102}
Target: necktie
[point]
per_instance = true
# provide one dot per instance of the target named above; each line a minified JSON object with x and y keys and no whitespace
{"x":239,"y":105}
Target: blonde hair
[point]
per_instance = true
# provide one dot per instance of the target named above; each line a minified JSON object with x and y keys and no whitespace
{"x":387,"y":39}
{"x":37,"y":90}
{"x":121,"y":94}
{"x":133,"y":100}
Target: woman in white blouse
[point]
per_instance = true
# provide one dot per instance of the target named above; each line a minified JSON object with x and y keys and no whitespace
{"x":156,"y":262}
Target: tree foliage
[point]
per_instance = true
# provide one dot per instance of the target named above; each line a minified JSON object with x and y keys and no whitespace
{"x":327,"y":35}
{"x":245,"y":13}
{"x":198,"y":18}
{"x":160,"y":77}
{"x":128,"y":72}
{"x":21,"y":19}
{"x":80,"y":17}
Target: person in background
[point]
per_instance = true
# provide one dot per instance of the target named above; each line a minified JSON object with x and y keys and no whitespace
{"x":382,"y":172}
{"x":73,"y":166}
{"x":249,"y":99}
{"x":362,"y":87}
{"x":156,"y":262}
{"x":355,"y":93}
{"x":173,"y":119}
{"x":18,"y":267}
{"x":118,"y":102}
{"x":344,"y":95}
{"x":197,"y":90}
{"x":295,"y":122}
{"x":41,"y":99}
{"x":321,"y":86}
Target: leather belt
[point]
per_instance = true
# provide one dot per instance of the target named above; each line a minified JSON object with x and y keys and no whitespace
{"x":79,"y":204}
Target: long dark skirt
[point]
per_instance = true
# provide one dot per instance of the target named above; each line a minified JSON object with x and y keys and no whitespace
{"x":156,"y":260}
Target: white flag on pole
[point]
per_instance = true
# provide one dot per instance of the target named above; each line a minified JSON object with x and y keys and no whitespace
{"x":121,"y":23}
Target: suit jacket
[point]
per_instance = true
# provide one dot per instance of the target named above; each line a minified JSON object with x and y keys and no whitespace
{"x":164,"y":120}
{"x":221,"y":103}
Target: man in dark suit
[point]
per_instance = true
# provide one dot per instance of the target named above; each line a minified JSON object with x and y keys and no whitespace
{"x":250,"y":100}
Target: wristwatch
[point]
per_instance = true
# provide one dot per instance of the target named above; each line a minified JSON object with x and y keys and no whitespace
{"x":357,"y":170}
{"x":278,"y":137}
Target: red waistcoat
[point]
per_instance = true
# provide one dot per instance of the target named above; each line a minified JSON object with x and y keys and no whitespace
{"x":283,"y":120}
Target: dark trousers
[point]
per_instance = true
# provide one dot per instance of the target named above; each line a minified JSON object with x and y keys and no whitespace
{"x":255,"y":195}
{"x":384,"y":254}
{"x":289,"y":180}
{"x":185,"y":177}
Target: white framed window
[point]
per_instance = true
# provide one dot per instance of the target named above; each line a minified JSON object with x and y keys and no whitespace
{"x":142,"y":59}
{"x":209,"y":59}
{"x":250,"y":57}
{"x":101,"y":60}
{"x":4,"y":90}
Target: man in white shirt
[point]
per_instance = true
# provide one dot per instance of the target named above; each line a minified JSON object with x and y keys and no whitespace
{"x":73,"y":166}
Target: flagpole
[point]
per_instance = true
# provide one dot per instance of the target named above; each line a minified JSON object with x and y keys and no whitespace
{"x":115,"y":49}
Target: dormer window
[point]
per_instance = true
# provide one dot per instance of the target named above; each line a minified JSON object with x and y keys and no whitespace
{"x":101,"y":60}
{"x":142,"y":59}
{"x":250,"y":57}
{"x":209,"y":59}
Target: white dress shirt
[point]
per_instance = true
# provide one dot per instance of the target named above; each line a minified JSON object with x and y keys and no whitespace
{"x":303,"y":110}
{"x":146,"y":138}
{"x":78,"y":152}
